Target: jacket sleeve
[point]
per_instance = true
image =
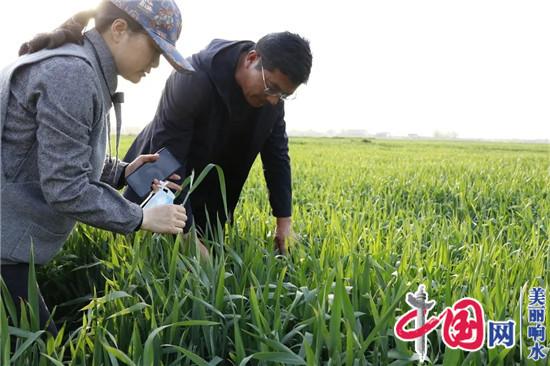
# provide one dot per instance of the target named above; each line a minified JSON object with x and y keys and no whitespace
{"x":113,"y":173}
{"x":65,"y":115}
{"x":276,"y":164}
{"x":184,"y":99}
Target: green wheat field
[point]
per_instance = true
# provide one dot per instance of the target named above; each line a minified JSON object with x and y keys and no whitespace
{"x":373,"y":219}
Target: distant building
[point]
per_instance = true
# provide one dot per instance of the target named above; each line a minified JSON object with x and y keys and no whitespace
{"x":353,"y":133}
{"x":446,"y":135}
{"x":305,"y":133}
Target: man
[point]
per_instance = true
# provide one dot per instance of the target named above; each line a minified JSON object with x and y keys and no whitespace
{"x":227,"y":112}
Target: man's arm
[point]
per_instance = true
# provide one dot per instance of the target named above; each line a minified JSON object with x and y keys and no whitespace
{"x":277,"y":173}
{"x":186,"y":97}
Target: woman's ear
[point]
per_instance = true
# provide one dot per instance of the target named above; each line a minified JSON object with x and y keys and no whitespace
{"x":118,"y":29}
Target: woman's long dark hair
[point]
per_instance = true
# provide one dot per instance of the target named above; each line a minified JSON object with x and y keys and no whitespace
{"x":71,"y":30}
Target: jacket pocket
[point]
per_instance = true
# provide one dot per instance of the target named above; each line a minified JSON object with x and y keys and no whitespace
{"x":44,"y":242}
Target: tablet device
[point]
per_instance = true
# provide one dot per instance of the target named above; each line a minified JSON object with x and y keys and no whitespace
{"x":141,"y":179}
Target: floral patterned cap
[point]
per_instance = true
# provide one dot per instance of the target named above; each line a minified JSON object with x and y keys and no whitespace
{"x":161,"y":19}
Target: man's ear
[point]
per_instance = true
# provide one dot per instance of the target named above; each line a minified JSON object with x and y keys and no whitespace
{"x":251,"y":58}
{"x":118,"y":28}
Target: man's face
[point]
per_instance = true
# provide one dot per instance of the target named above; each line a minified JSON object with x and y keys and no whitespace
{"x":257,"y":92}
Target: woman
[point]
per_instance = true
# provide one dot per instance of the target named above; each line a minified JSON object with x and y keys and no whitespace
{"x":54,"y":103}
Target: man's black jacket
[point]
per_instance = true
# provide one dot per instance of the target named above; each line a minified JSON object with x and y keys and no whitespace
{"x":203,"y":118}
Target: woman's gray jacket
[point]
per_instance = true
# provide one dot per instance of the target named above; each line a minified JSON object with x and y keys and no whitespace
{"x":53,"y":121}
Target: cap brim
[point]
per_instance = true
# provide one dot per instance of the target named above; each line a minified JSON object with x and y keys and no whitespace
{"x":172,"y":55}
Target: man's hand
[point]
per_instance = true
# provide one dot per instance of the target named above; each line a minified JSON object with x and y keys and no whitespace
{"x":282,"y":234}
{"x":149,"y":158}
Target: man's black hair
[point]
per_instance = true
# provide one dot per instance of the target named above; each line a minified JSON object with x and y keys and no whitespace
{"x":288,"y":52}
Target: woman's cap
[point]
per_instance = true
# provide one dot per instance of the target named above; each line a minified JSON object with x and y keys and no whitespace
{"x":161,"y":19}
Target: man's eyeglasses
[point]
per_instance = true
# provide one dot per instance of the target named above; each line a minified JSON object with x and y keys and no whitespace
{"x":274,"y":92}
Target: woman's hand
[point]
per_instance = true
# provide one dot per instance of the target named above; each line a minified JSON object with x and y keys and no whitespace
{"x":164,"y":219}
{"x":139,"y":161}
{"x":149,"y":158}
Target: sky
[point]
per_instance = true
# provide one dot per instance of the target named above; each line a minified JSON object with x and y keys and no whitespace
{"x":471,"y":68}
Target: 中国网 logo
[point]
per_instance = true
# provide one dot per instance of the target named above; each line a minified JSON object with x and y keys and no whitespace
{"x":463,"y":325}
